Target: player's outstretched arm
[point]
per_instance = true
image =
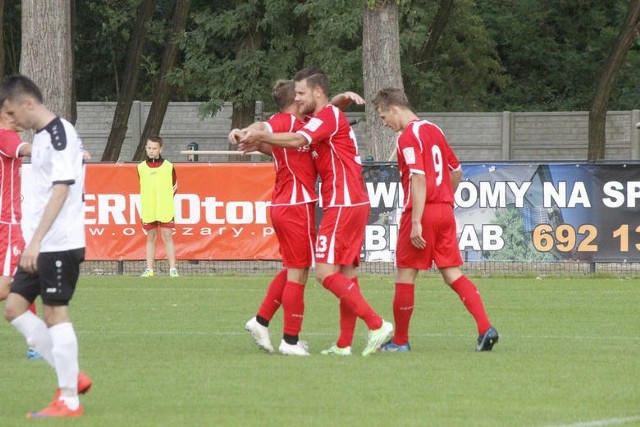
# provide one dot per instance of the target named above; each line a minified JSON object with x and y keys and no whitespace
{"x":345,"y":99}
{"x":283,"y":139}
{"x":236,"y":134}
{"x":456,"y":177}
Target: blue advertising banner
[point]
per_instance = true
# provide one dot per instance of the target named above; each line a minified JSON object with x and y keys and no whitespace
{"x":524,"y":212}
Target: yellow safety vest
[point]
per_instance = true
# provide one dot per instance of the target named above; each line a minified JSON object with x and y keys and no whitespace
{"x":156,"y":192}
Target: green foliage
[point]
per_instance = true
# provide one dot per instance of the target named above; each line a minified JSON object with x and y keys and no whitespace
{"x":102,"y":37}
{"x":522,"y":55}
{"x":12,"y":38}
{"x":465,"y":66}
{"x":334,"y":41}
{"x":553,"y":51}
{"x":517,"y":242}
{"x":234,"y":52}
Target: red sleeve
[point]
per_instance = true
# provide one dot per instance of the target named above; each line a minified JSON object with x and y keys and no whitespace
{"x":411,"y":149}
{"x":10,"y":143}
{"x":322,"y":125}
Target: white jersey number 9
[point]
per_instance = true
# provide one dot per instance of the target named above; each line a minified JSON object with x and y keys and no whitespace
{"x":436,"y":155}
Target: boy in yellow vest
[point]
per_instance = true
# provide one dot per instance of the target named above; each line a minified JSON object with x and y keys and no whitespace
{"x":158,"y":184}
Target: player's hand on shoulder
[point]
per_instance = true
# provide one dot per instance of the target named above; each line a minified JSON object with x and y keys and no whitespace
{"x":354,"y":97}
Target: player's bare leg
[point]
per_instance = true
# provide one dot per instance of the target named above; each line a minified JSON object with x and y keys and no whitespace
{"x":170,"y":249}
{"x":152,"y":238}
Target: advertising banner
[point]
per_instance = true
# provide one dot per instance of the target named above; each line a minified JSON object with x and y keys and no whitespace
{"x":526,"y":212}
{"x":504,"y":212}
{"x":221,"y":212}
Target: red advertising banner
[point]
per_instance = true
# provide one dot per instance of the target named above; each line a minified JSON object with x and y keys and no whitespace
{"x":221,"y":212}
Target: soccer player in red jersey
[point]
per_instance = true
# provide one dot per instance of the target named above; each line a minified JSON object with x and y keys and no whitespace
{"x":344,"y":200}
{"x":430,"y":174}
{"x":293,"y":207}
{"x":12,"y":149}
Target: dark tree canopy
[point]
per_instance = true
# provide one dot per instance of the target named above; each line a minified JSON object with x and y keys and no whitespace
{"x":521,"y":55}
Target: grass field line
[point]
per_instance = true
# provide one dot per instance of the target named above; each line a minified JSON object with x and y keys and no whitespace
{"x":240,"y":331}
{"x":368,"y":290}
{"x":601,"y":423}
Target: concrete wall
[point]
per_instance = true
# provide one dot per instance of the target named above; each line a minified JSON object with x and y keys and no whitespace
{"x":474,"y":136}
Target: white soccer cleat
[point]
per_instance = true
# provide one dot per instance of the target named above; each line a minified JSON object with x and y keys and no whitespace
{"x":260,"y":334}
{"x":377,"y":338}
{"x":298,"y":349}
{"x":334,"y":350}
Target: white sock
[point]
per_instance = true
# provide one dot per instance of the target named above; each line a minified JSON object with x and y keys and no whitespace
{"x":65,"y":355}
{"x":36,"y":333}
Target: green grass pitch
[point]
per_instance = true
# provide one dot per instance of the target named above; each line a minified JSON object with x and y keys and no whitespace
{"x":173,"y":352}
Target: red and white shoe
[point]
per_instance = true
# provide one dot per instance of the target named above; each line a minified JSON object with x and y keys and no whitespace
{"x":57,"y":409}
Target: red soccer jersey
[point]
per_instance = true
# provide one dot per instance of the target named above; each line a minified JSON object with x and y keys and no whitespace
{"x":423,"y":149}
{"x":10,"y":164}
{"x":295,"y":171}
{"x":335,"y":151}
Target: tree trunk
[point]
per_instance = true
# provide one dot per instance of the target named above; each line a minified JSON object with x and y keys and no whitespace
{"x":439,"y":24}
{"x":47,"y":51}
{"x":74,"y":101}
{"x":381,"y":68}
{"x":162,"y":94}
{"x":130,"y":81}
{"x":598,"y":109}
{"x":241,"y":117}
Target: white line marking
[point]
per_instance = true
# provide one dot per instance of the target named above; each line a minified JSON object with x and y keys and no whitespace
{"x":601,"y":423}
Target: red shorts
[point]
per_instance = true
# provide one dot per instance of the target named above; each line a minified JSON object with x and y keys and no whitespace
{"x":295,"y":227}
{"x":11,"y":247}
{"x":158,"y":224}
{"x":439,"y":230}
{"x":341,"y":235}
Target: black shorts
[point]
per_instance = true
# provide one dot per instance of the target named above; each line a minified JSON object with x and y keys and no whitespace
{"x":56,"y":278}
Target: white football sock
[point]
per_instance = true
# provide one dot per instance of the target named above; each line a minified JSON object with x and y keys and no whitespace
{"x":36,"y":333}
{"x":65,"y":355}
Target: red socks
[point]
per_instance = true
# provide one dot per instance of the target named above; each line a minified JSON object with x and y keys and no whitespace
{"x":403,"y":302}
{"x":293,"y":307}
{"x":347,"y":321}
{"x":273,"y":298}
{"x":471,"y":299}
{"x":349,"y":292}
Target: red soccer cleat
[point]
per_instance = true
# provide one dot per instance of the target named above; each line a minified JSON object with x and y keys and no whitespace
{"x":57,"y":409}
{"x":84,"y":385}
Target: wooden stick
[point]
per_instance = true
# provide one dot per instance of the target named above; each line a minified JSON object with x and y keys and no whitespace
{"x":219,"y":153}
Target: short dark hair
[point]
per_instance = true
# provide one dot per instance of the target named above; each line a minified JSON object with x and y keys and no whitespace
{"x":155,"y":138}
{"x":387,"y":97}
{"x":315,"y":77}
{"x":283,"y":93}
{"x":18,"y":85}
